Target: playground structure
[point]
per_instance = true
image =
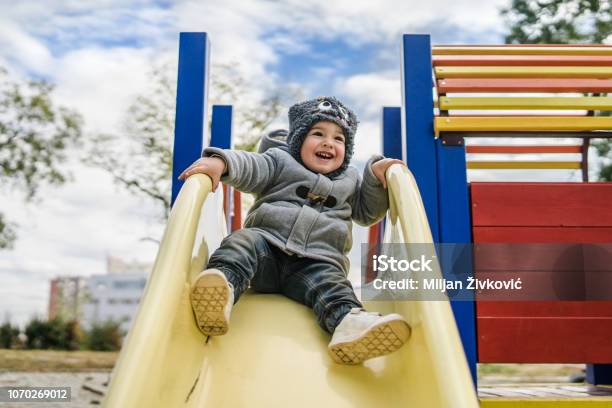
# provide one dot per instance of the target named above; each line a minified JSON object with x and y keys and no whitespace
{"x":275,"y":355}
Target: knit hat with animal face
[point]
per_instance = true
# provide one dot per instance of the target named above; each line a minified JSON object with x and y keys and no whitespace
{"x":303,"y":115}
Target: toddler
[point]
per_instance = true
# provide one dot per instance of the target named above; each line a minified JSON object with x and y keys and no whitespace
{"x":298,"y":232}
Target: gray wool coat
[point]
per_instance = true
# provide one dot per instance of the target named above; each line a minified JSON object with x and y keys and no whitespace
{"x":302,"y":212}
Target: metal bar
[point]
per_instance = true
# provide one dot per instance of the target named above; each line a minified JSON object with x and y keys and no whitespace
{"x":392,"y":132}
{"x":191,"y":99}
{"x":373,"y":249}
{"x":418,"y":120}
{"x":585,"y":159}
{"x":599,"y":374}
{"x":456,"y":228}
{"x":221,"y":137}
{"x":422,"y":157}
{"x":236,"y":210}
{"x":585,"y":150}
{"x":221,"y":127}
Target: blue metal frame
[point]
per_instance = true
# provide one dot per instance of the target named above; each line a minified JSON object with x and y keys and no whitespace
{"x":598,"y":374}
{"x":191,"y":102}
{"x":221,"y":127}
{"x":392,"y":132}
{"x":391,"y":144}
{"x":455,"y":227}
{"x":418,"y":121}
{"x":440,"y":171}
{"x":221,"y":137}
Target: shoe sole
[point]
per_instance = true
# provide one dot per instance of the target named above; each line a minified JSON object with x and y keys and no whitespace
{"x":209,"y":295}
{"x":378,"y":340}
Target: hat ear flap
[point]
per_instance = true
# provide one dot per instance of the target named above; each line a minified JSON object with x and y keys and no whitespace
{"x":294,"y":112}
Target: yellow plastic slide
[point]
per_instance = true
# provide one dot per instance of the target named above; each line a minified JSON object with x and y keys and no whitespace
{"x":274,"y":354}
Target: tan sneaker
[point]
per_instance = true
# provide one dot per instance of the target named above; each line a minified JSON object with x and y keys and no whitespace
{"x":212,"y":298}
{"x":363,"y":335}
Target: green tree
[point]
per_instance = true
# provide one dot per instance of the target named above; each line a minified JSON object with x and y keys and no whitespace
{"x":140,"y":157}
{"x":558,"y":21}
{"x":8,"y":335}
{"x":105,"y":336}
{"x":35,"y":134}
{"x":43,"y":334}
{"x":53,"y":334}
{"x":73,"y":336}
{"x":564,"y":22}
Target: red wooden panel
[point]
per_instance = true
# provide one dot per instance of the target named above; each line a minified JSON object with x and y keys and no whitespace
{"x":544,"y":340}
{"x":551,"y":286}
{"x":523,"y":85}
{"x":542,"y":234}
{"x":522,"y":60}
{"x":524,"y":149}
{"x":542,"y":204}
{"x":493,"y":257}
{"x":565,"y":271}
{"x":545,"y":309}
{"x":547,"y":271}
{"x":543,"y":332}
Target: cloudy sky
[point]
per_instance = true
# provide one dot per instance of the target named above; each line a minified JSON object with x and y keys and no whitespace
{"x":98,"y":54}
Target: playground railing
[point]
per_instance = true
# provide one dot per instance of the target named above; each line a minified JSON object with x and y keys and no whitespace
{"x":524,"y":91}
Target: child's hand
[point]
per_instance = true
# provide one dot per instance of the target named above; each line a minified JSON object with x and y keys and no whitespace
{"x":380,"y":168}
{"x":213,"y":167}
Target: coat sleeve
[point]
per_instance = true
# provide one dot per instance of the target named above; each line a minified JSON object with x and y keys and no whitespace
{"x":370,"y":201}
{"x":246,"y":171}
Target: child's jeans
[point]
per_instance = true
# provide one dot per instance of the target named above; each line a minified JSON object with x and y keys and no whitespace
{"x":245,"y":256}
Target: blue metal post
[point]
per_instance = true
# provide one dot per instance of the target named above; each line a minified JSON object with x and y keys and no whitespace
{"x":392,"y":144}
{"x":392,"y":132}
{"x":441,"y":180}
{"x":455,"y":228}
{"x":221,"y":127}
{"x":418,"y":121}
{"x":599,"y":374}
{"x":191,"y":95}
{"x":221,"y":137}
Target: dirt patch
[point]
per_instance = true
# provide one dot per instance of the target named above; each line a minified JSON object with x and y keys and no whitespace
{"x":56,"y":361}
{"x":492,"y":373}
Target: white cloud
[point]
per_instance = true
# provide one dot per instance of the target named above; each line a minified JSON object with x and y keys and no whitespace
{"x":368,"y":93}
{"x":101,"y":83}
{"x":381,"y":21}
{"x":21,"y":48}
{"x":235,"y":31}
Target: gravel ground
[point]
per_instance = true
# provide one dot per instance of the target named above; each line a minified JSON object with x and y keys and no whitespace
{"x":87,"y":388}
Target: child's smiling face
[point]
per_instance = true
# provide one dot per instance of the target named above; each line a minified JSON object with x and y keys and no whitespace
{"x":323,"y":147}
